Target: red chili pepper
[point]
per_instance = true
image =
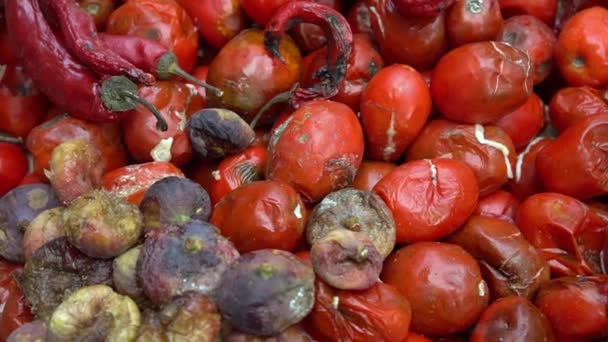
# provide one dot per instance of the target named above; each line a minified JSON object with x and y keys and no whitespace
{"x":81,"y":39}
{"x":152,"y":57}
{"x":57,"y":74}
{"x":339,"y":45}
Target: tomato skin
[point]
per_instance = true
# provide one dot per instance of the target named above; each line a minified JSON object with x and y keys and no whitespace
{"x":379,"y":313}
{"x":415,"y":41}
{"x":567,"y":234}
{"x":131,"y":182}
{"x":413,"y":337}
{"x":8,"y":52}
{"x":581,"y":53}
{"x":202,"y":172}
{"x":429,"y":198}
{"x":13,"y":166}
{"x":317,"y":150}
{"x":15,"y":312}
{"x":443,"y":284}
{"x":491,"y":79}
{"x":370,"y":173}
{"x":468,"y":24}
{"x":162,"y":20}
{"x":575,"y":163}
{"x":576,"y":307}
{"x":500,"y":204}
{"x":395,"y":105}
{"x":571,"y":104}
{"x":261,"y":11}
{"x":542,"y":9}
{"x":144,"y":141}
{"x":200,"y":72}
{"x":525,"y":122}
{"x":512,"y":318}
{"x":445,"y":139}
{"x":526,"y":181}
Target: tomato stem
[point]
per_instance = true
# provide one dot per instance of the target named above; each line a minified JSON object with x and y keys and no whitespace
{"x":161,"y":123}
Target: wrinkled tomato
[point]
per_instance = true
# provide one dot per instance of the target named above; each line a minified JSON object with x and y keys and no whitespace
{"x":571,"y":104}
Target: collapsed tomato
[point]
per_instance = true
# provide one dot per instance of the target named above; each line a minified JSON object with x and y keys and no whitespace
{"x":571,"y":104}
{"x":526,"y":181}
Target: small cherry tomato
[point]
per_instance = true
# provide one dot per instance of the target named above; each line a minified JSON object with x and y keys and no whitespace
{"x":176,"y":101}
{"x":571,"y":104}
{"x":443,"y":284}
{"x":317,"y":150}
{"x":512,"y":318}
{"x":415,"y":41}
{"x":261,"y":214}
{"x":487,"y":150}
{"x":574,"y":163}
{"x":526,"y":181}
{"x":429,"y":198}
{"x":217,"y":21}
{"x":131,"y":182}
{"x":470,"y":21}
{"x":581,"y":53}
{"x":370,"y":173}
{"x":533,"y":36}
{"x":45,"y":137}
{"x":567,"y":234}
{"x":542,"y":9}
{"x":359,"y":19}
{"x":379,"y":313}
{"x":525,"y":122}
{"x":481,"y":82}
{"x":500,"y":204}
{"x":576,"y":307}
{"x":100,"y":10}
{"x":15,"y":311}
{"x":395,"y":105}
{"x":164,"y":21}
{"x":13,"y":166}
{"x":237,"y":170}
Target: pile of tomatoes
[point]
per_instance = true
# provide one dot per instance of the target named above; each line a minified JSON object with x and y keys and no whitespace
{"x":481,"y":124}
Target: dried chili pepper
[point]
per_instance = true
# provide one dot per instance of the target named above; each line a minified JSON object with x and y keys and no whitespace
{"x":80,"y":37}
{"x":57,"y":74}
{"x":151,"y":56}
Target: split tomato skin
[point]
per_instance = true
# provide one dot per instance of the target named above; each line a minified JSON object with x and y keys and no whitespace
{"x":370,"y":173}
{"x":443,"y":284}
{"x":317,"y":150}
{"x":571,"y":104}
{"x":526,"y":180}
{"x":395,"y":105}
{"x":473,"y":21}
{"x":429,"y":198}
{"x":480,"y":82}
{"x":525,"y":122}
{"x":576,"y":162}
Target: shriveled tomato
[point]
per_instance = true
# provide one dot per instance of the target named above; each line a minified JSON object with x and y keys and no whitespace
{"x":370,"y":173}
{"x":571,"y":104}
{"x":512,"y":318}
{"x":395,"y":105}
{"x":576,"y":162}
{"x":500,"y":204}
{"x":581,"y":53}
{"x":568,"y":235}
{"x":530,"y":34}
{"x":576,"y":307}
{"x":13,"y":166}
{"x":379,"y":313}
{"x":15,"y":311}
{"x":473,"y":21}
{"x":429,"y":198}
{"x":443,"y":284}
{"x":542,"y":9}
{"x":131,"y":182}
{"x":525,"y":122}
{"x":526,"y":181}
{"x":481,"y":82}
{"x":162,"y":20}
{"x":239,"y":169}
{"x":218,"y":21}
{"x":145,"y":142}
{"x":488,"y":150}
{"x":100,"y":10}
{"x":317,"y":150}
{"x":106,"y":137}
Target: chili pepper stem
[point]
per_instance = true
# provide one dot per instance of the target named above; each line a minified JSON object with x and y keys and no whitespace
{"x":10,"y":139}
{"x":161,"y":123}
{"x":176,"y":70}
{"x":279,"y":98}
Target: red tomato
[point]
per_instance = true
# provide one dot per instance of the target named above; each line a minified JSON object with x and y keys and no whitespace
{"x":260,"y":215}
{"x":443,"y":284}
{"x":370,"y":173}
{"x":468,"y":21}
{"x":525,"y":122}
{"x":571,"y":104}
{"x":568,"y":235}
{"x":162,"y":20}
{"x":429,"y":198}
{"x":200,"y":72}
{"x":526,"y":181}
{"x":379,"y":313}
{"x":512,"y":318}
{"x":239,"y":169}
{"x":131,"y":182}
{"x":581,"y":53}
{"x":395,"y":105}
{"x":542,"y":9}
{"x":481,"y":82}
{"x":575,"y":163}
{"x":13,"y":166}
{"x":317,"y":150}
{"x":576,"y":307}
{"x":262,"y":10}
{"x":413,"y":337}
{"x":500,"y":204}
{"x":8,"y":52}
{"x":15,"y":312}
{"x":176,"y":101}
